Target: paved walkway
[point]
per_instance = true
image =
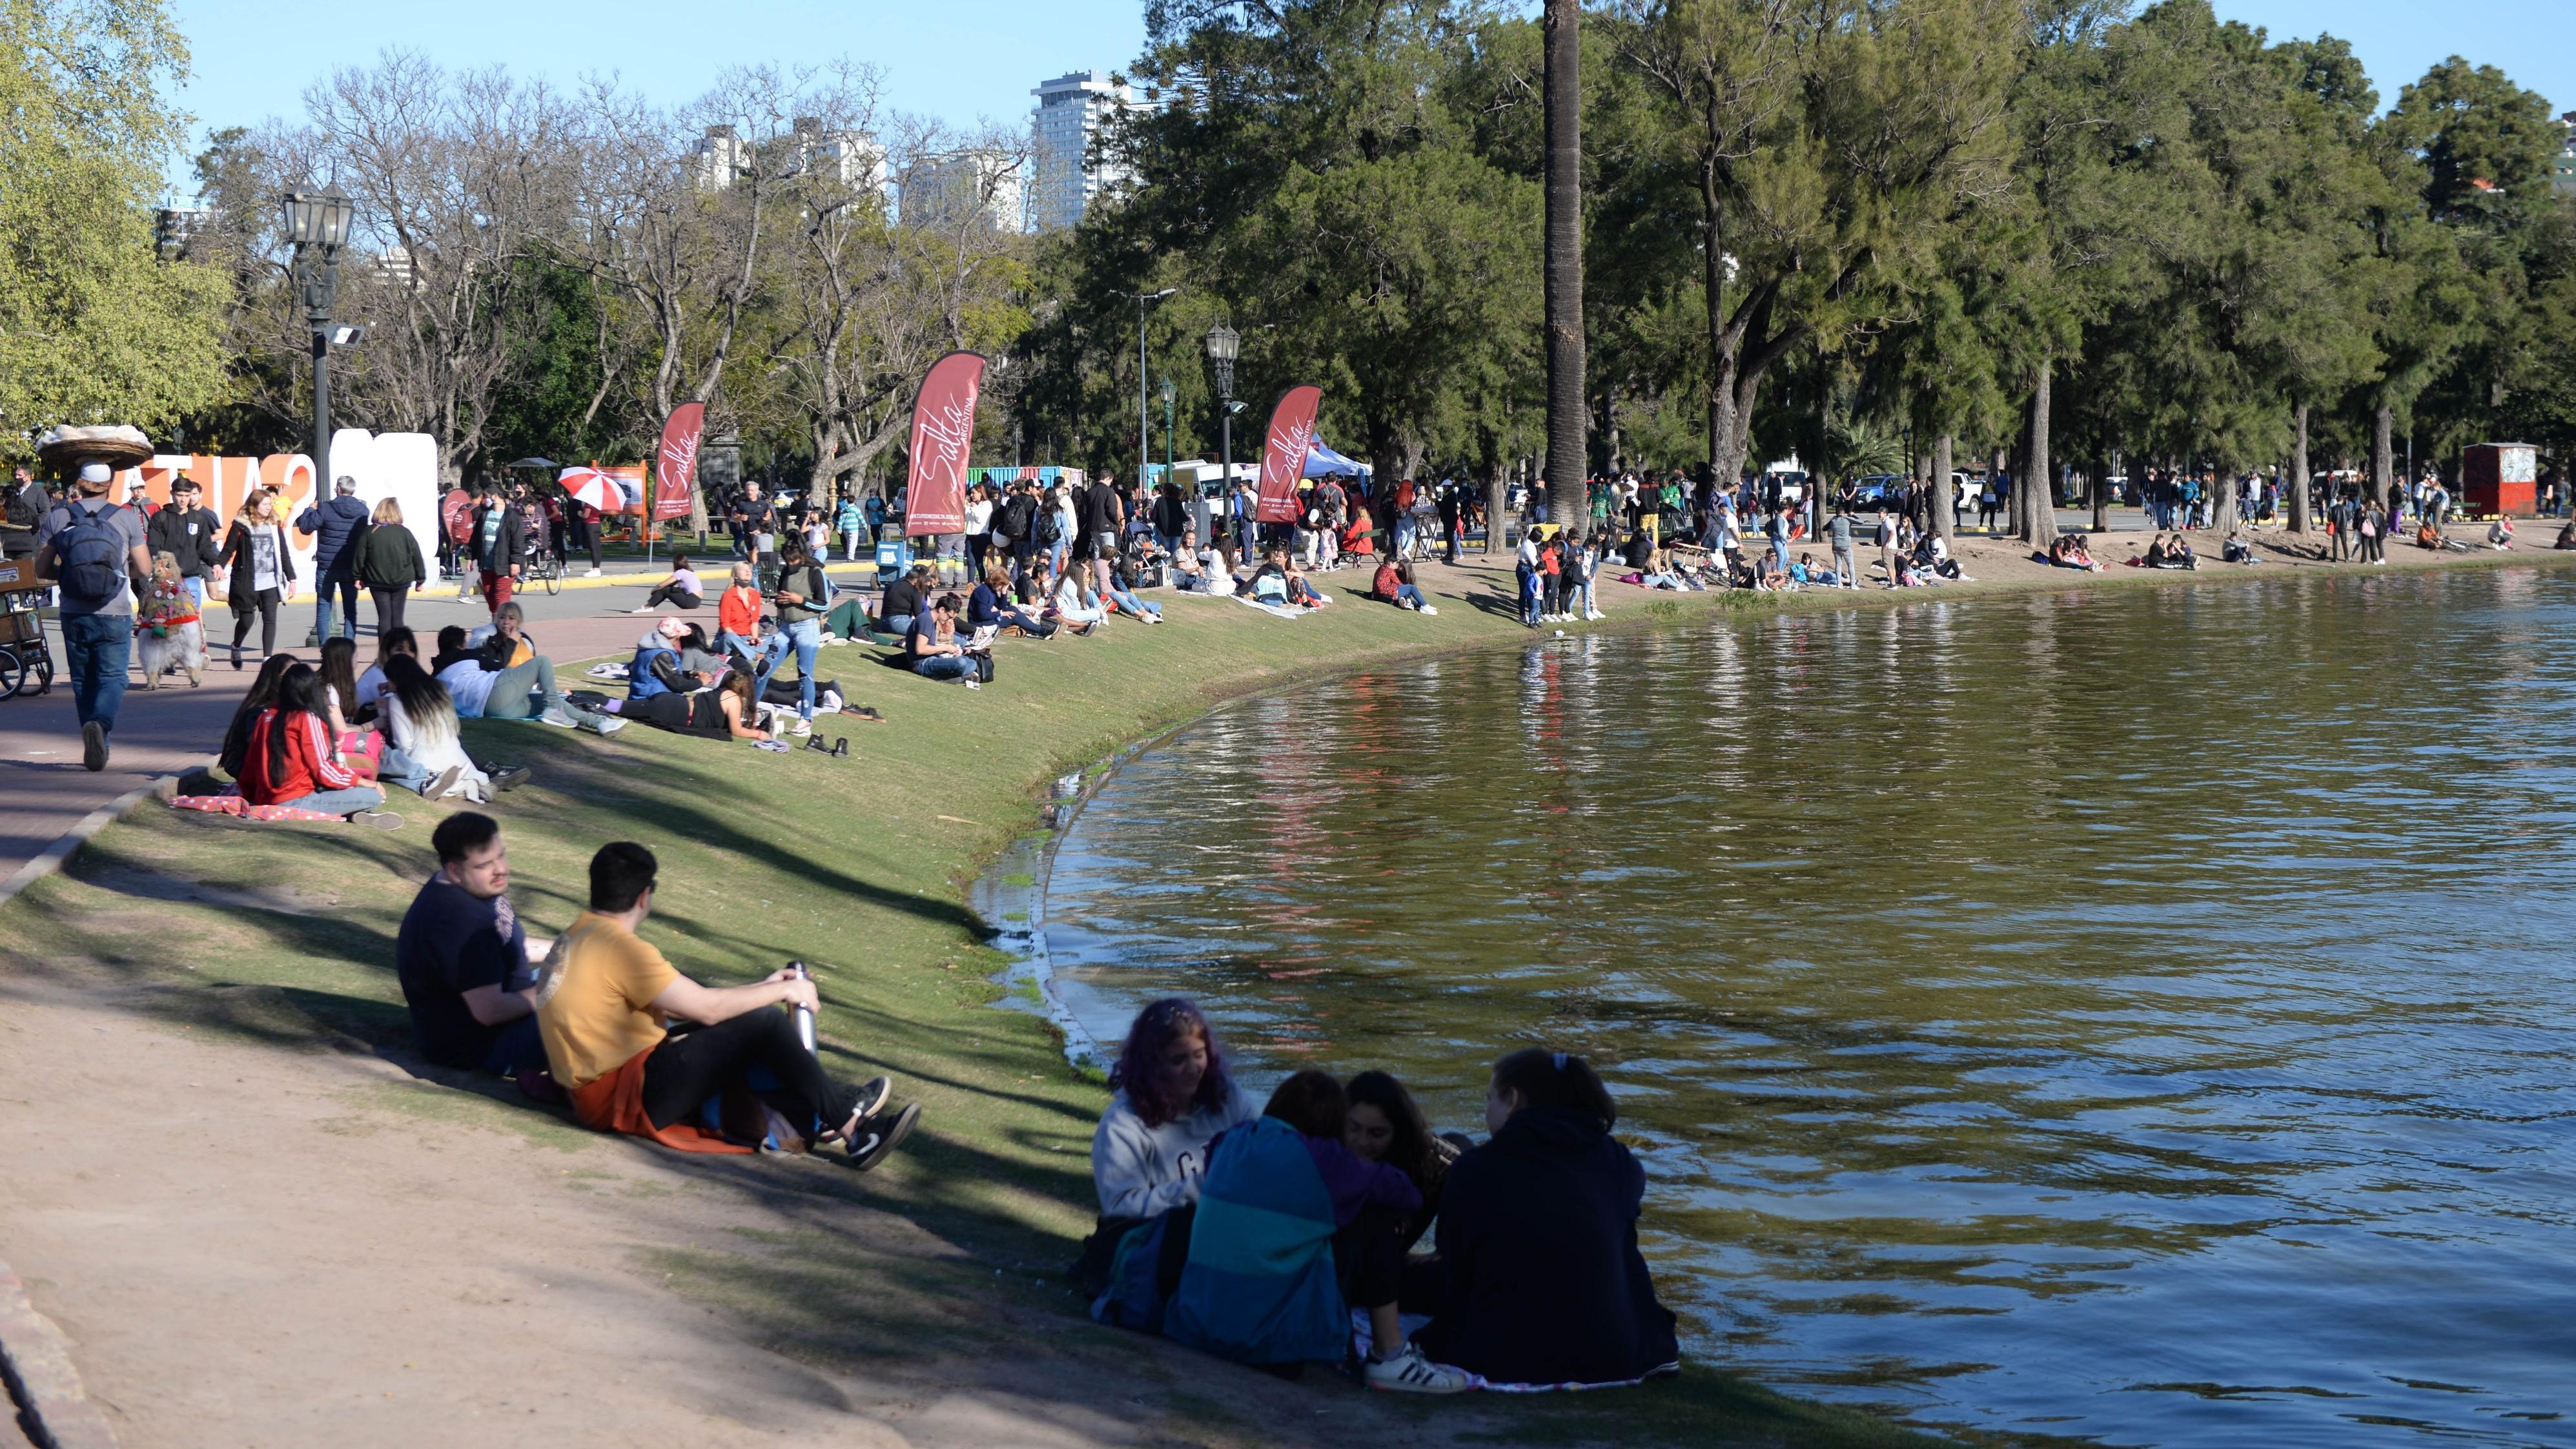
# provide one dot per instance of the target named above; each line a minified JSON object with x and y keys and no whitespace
{"x":45,"y":792}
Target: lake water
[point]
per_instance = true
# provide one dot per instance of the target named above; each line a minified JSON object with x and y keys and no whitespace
{"x":2141,"y":1016}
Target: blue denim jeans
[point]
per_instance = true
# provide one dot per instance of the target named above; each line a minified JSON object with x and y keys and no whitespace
{"x":397,"y":768}
{"x":96,"y":650}
{"x":343,"y":619}
{"x":1408,"y":594}
{"x":805,"y":636}
{"x":943,"y":666}
{"x":730,"y":643}
{"x":196,"y":587}
{"x":338,"y":802}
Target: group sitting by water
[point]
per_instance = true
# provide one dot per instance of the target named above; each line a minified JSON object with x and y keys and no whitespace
{"x":1286,"y":1234}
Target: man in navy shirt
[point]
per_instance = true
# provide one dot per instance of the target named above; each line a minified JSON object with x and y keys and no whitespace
{"x":462,"y":956}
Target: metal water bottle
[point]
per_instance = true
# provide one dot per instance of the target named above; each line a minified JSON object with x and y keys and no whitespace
{"x":804,"y":1014}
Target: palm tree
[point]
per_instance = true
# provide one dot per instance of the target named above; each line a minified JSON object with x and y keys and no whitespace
{"x":1567,"y":415}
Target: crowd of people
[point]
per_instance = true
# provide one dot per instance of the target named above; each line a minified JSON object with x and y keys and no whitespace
{"x":1315,"y":1227}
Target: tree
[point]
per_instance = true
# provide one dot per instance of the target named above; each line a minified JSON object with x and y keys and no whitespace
{"x":93,"y":327}
{"x":1567,"y":410}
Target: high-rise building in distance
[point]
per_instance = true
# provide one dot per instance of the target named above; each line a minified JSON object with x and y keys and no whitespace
{"x":977,"y":181}
{"x":1072,"y":110}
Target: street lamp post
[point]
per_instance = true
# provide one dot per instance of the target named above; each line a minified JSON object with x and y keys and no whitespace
{"x":318,"y":224}
{"x":1168,"y":391}
{"x":1222,"y":345}
{"x":1144,"y":413}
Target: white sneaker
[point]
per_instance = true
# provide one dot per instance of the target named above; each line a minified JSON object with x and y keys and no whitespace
{"x":801,"y":728}
{"x":1428,"y":609}
{"x":445,"y":784}
{"x":609,"y":724}
{"x":1596,"y":614}
{"x":1410,"y":1373}
{"x":648,"y":608}
{"x":590,"y":573}
{"x":973,"y":684}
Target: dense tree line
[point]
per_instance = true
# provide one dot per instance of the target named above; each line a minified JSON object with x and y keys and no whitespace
{"x":1873,"y":232}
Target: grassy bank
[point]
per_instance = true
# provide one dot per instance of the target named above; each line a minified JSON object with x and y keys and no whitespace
{"x":284,"y":935}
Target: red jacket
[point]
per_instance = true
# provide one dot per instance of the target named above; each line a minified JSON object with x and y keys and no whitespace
{"x":309,"y":768}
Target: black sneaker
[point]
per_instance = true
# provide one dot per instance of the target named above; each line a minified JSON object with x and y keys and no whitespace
{"x":94,"y":745}
{"x":877,"y":1141}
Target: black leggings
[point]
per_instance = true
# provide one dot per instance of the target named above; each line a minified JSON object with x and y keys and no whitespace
{"x":1368,"y":1257}
{"x":264,"y":603}
{"x":673,"y":595}
{"x":686,"y":1070}
{"x":389,"y":608}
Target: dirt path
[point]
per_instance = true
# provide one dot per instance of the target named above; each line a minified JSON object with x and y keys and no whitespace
{"x":398,"y":1263}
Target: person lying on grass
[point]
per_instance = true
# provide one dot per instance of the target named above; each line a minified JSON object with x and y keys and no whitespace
{"x":507,"y":679}
{"x":601,"y":1003}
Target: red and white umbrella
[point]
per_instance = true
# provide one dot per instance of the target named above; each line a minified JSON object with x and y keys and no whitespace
{"x":593,"y":489}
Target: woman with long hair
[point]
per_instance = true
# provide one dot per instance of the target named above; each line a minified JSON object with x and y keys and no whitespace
{"x":290,"y":761}
{"x":721,"y":711}
{"x":255,"y":702}
{"x":1541,"y":1279}
{"x":1169,"y":1095}
{"x":390,"y":565}
{"x":1385,"y":1125}
{"x":263,"y":569}
{"x":339,"y":671}
{"x":427,"y":753}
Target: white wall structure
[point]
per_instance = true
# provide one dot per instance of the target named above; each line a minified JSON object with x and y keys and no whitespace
{"x":981,"y":182}
{"x":400,"y":466}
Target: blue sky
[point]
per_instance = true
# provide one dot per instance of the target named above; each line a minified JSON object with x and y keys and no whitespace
{"x":964,"y":60}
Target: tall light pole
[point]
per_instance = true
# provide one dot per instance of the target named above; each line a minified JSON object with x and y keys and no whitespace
{"x":1168,"y":392}
{"x":318,"y":224}
{"x":1144,"y":413}
{"x":1222,"y":345}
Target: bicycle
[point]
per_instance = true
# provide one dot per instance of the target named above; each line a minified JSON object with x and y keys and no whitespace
{"x":547,"y":568}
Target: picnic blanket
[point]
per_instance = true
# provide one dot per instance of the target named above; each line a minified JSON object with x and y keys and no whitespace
{"x":230,"y":802}
{"x":1276,"y":611}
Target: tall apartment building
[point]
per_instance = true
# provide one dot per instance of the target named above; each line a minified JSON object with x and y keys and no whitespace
{"x":852,"y":157}
{"x":976,"y":181}
{"x":1072,"y":109}
{"x":721,"y":156}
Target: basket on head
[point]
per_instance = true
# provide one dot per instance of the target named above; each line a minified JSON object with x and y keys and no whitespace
{"x":118,"y":446}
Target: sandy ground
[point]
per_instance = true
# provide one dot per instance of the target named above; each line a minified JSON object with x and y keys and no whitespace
{"x":399,"y":1264}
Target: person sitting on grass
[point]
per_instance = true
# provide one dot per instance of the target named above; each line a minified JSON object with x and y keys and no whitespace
{"x":1122,"y":595}
{"x":1541,"y":1280}
{"x":931,"y":647}
{"x":738,"y":617}
{"x":1394,"y":585}
{"x":1169,"y":1096}
{"x":1291,"y":1229}
{"x":485,"y":688}
{"x":1076,"y":607}
{"x":903,"y":600}
{"x":464,"y":958}
{"x":397,"y":640}
{"x":679,"y":590}
{"x":1302,"y":593}
{"x":2236,"y":549}
{"x":601,"y":1004}
{"x":1192,"y":571}
{"x":720,"y":708}
{"x":2566,"y":537}
{"x":427,"y":749}
{"x":289,"y":760}
{"x":986,"y":607}
{"x":2500,"y":532}
{"x":255,"y":702}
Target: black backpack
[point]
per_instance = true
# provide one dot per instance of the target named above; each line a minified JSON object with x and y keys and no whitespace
{"x":90,"y":556}
{"x":1050,"y":525}
{"x":1014,"y":522}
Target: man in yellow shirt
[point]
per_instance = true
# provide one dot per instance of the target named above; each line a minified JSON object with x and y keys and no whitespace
{"x":601,"y":1011}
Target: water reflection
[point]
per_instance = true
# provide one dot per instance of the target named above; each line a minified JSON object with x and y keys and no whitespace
{"x":2142,"y":1018}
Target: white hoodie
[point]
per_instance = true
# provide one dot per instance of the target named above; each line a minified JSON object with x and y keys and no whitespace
{"x":1144,"y":1171}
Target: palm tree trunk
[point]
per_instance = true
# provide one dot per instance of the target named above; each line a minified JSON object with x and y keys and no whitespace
{"x":2039,"y":509}
{"x":1566,"y":407}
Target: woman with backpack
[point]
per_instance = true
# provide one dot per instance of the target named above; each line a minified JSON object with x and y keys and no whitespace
{"x":389,"y":564}
{"x":263,"y":570}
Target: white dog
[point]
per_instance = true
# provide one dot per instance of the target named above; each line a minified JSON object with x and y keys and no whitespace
{"x":167,"y":631}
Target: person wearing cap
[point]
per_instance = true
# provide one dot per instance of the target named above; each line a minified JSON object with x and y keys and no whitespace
{"x":335,"y":525}
{"x":189,"y":533}
{"x":656,"y":667}
{"x":97,"y":598}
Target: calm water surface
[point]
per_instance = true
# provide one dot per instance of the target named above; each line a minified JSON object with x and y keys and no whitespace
{"x":2142,"y":1018}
